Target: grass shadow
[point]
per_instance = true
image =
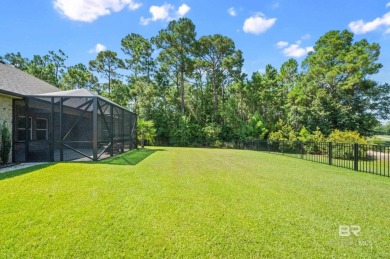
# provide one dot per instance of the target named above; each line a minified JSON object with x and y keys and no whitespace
{"x":22,"y":171}
{"x":132,"y":157}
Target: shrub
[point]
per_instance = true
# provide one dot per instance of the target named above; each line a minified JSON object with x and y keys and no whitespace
{"x":183,"y":134}
{"x":285,"y":135}
{"x":313,"y":145}
{"x":375,"y":141}
{"x":346,"y":137}
{"x":284,"y":132}
{"x":256,"y":128}
{"x":304,"y":134}
{"x":343,"y":144}
{"x":216,"y":144}
{"x":317,"y":136}
{"x":211,"y":132}
{"x":5,"y":143}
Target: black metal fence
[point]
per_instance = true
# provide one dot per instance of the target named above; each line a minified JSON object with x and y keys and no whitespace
{"x":373,"y":159}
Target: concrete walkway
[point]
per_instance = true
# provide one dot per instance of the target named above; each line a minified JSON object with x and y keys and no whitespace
{"x":18,"y":166}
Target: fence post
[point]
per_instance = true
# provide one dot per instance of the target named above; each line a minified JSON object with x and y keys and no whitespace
{"x":356,"y":156}
{"x":330,"y":152}
{"x":282,"y":147}
{"x":269,"y":151}
{"x":302,"y":150}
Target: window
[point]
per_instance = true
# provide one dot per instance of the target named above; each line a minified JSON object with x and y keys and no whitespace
{"x":41,"y":129}
{"x":21,"y":128}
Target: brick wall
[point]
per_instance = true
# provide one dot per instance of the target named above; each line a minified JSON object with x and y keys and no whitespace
{"x":6,"y":115}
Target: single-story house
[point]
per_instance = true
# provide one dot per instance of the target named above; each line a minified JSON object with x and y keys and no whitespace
{"x":48,"y":124}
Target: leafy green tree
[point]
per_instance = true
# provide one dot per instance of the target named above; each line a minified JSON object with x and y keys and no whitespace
{"x":285,"y":137}
{"x":16,"y":60}
{"x":211,"y":132}
{"x":176,"y":43}
{"x":139,"y":52}
{"x":283,"y":131}
{"x":235,"y":121}
{"x":182,"y":134}
{"x":107,"y":64}
{"x":317,"y":136}
{"x":57,"y":60}
{"x":142,"y":94}
{"x":49,"y":67}
{"x":288,"y":78}
{"x":213,"y":53}
{"x":256,"y":128}
{"x":267,"y":89}
{"x":374,"y":140}
{"x":338,"y":93}
{"x":145,"y":131}
{"x":40,"y":67}
{"x":142,"y":66}
{"x":192,"y":88}
{"x":252,"y":94}
{"x":79,"y":77}
{"x":315,"y":141}
{"x":383,"y":129}
{"x":120,"y":93}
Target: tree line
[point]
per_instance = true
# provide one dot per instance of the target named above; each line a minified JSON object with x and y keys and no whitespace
{"x":194,"y":89}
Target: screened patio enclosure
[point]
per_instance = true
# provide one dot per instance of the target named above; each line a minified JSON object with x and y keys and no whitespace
{"x":71,"y":125}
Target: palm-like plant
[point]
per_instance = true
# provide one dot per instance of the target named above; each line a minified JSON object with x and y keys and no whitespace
{"x":146,"y":131}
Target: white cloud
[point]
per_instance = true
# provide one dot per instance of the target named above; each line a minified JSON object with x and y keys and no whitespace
{"x":90,"y":10}
{"x":281,"y":44}
{"x":231,"y":11}
{"x":293,"y":50}
{"x":99,"y":47}
{"x":306,"y":37}
{"x":134,"y":6}
{"x":158,"y":13}
{"x":387,"y":31}
{"x":309,"y":49}
{"x":164,"y":13}
{"x":361,"y":27}
{"x":275,"y":5}
{"x":258,"y":24}
{"x":388,"y":4}
{"x":183,"y":10}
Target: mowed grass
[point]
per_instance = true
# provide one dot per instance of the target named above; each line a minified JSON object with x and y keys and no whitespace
{"x":183,"y":202}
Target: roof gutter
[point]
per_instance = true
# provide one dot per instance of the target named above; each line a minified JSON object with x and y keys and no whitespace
{"x":11,"y":94}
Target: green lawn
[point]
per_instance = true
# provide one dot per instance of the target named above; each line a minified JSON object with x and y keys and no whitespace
{"x":185,"y":202}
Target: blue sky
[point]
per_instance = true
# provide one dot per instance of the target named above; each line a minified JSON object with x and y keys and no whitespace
{"x":267,"y":31}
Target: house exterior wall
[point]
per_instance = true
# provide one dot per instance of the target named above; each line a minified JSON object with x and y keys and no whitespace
{"x":6,"y":115}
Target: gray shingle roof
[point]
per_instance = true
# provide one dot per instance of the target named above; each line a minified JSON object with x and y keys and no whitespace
{"x":72,"y":93}
{"x":75,"y":93}
{"x":15,"y":81}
